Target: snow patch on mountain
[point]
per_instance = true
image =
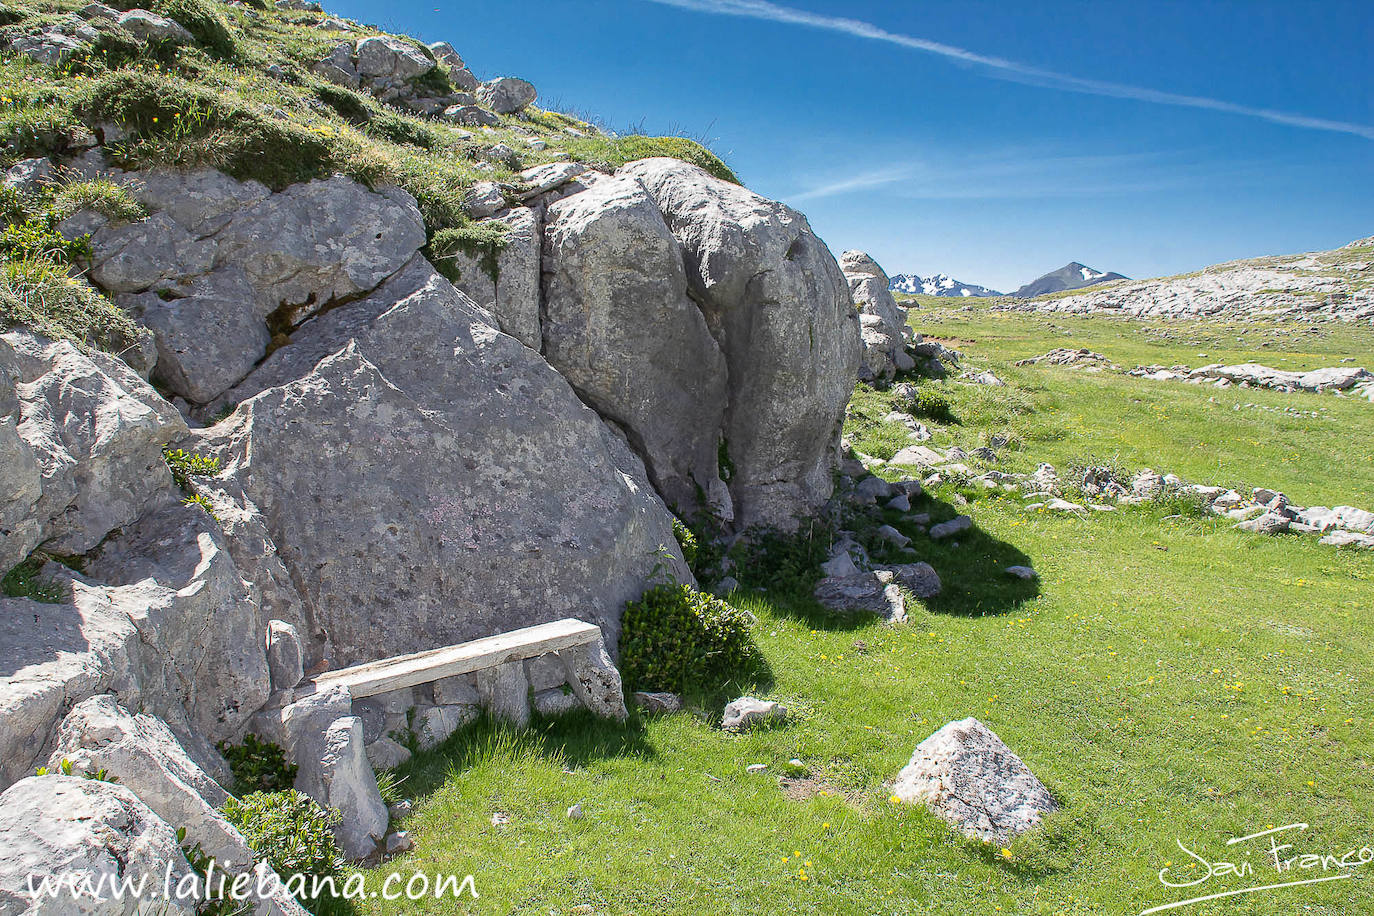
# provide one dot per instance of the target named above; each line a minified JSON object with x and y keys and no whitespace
{"x":937,"y":285}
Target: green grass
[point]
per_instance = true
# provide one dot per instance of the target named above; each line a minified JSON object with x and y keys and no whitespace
{"x":1168,"y":677}
{"x":1224,"y":437}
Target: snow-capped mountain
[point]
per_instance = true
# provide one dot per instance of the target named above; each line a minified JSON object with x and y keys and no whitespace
{"x":1071,"y":276}
{"x":938,"y":285}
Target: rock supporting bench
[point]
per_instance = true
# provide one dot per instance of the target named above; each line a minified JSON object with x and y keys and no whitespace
{"x":341,"y":725}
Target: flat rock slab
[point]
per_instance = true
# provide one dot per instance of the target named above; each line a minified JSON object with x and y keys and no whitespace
{"x":966,"y":775}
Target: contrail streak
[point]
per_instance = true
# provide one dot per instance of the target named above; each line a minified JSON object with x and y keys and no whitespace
{"x":1002,"y":68}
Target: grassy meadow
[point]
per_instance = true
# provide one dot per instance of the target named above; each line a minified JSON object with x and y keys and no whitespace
{"x":1169,"y":678}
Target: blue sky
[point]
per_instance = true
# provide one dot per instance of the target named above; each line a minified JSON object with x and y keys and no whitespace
{"x":993,"y":141}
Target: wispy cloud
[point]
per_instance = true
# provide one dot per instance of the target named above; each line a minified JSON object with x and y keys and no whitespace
{"x":1002,"y":68}
{"x":1019,"y":174}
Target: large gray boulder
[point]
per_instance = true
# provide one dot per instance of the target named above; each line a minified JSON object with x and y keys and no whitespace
{"x":620,"y":326}
{"x":428,"y":480}
{"x":512,"y":293}
{"x":966,"y":775}
{"x":220,"y":265}
{"x":507,"y":95}
{"x":202,"y":639}
{"x":882,"y":319}
{"x":96,"y":431}
{"x":61,"y":828}
{"x":143,"y":754}
{"x":385,"y":57}
{"x":780,"y":310}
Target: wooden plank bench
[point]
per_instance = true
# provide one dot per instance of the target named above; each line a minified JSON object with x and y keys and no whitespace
{"x":384,"y":676}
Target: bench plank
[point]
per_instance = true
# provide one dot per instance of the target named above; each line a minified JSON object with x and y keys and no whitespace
{"x":403,"y":671}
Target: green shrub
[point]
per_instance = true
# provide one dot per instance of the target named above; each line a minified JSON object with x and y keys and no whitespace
{"x":23,"y":581}
{"x":290,"y":832}
{"x":258,"y":766}
{"x":204,"y":22}
{"x":679,"y":639}
{"x":179,"y":124}
{"x":38,"y":239}
{"x":113,"y":201}
{"x":202,"y":503}
{"x":185,"y":465}
{"x":929,"y":404}
{"x":9,"y":15}
{"x":483,"y":242}
{"x":347,"y":103}
{"x":408,"y":131}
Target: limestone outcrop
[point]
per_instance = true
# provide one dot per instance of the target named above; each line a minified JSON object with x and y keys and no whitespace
{"x":414,"y":465}
{"x":882,"y":319}
{"x":779,"y":310}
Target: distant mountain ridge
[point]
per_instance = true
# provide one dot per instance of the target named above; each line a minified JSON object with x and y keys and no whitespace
{"x":1071,"y":276}
{"x":938,"y":285}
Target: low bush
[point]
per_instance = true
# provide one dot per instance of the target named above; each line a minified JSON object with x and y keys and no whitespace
{"x":113,"y":201}
{"x":290,"y":832}
{"x":679,"y":639}
{"x":687,"y":542}
{"x":616,"y":151}
{"x":783,"y":563}
{"x":932,"y":405}
{"x":204,"y":22}
{"x":258,"y":766}
{"x":483,"y":242}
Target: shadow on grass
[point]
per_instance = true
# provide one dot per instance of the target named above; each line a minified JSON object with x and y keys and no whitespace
{"x":574,"y":739}
{"x":972,"y":564}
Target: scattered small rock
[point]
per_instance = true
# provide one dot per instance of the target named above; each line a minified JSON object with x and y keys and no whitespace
{"x":747,"y":712}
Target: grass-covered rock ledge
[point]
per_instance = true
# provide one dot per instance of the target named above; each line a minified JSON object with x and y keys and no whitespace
{"x":398,"y":477}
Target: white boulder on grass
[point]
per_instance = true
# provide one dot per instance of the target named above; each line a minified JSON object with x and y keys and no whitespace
{"x":747,"y":712}
{"x":967,"y":776}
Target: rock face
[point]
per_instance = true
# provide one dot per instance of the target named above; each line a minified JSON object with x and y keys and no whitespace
{"x":93,"y":429}
{"x":60,"y":827}
{"x":515,"y":506}
{"x":512,"y":296}
{"x":220,"y":264}
{"x":174,"y":576}
{"x":881,"y":318}
{"x":779,"y":309}
{"x":619,"y":325}
{"x":141,"y":752}
{"x":966,"y":775}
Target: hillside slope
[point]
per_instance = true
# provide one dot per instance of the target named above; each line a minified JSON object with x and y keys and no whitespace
{"x":1313,"y":286}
